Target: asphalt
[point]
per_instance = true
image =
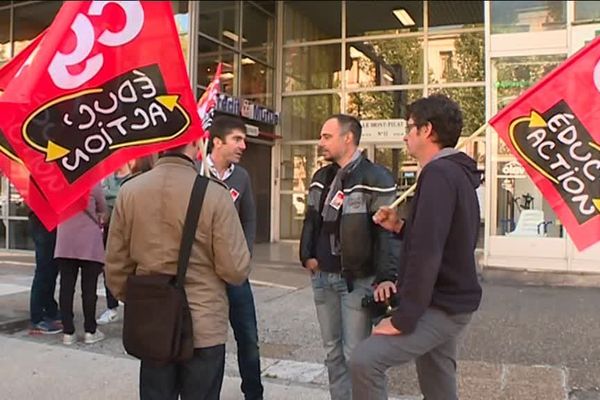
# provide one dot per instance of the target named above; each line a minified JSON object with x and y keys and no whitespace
{"x":524,"y":343}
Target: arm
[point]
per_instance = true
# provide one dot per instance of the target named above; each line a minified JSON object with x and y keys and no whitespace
{"x":101,"y":207}
{"x":248,"y":214}
{"x":231,"y":255}
{"x":119,"y":264}
{"x":425,"y":248}
{"x":310,"y":227}
{"x":387,"y":244}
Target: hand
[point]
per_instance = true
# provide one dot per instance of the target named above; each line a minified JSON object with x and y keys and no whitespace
{"x":385,"y":327}
{"x":388,"y":219}
{"x":312,"y":265}
{"x":384,"y":291}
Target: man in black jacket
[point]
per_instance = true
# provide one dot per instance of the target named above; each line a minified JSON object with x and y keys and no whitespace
{"x":437,"y":288}
{"x":343,"y":249}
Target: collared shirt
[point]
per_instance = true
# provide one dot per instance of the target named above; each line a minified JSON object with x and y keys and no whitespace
{"x":213,"y":169}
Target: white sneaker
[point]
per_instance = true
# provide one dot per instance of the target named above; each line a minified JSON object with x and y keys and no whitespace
{"x":93,"y":337}
{"x":108,"y":316}
{"x":69,"y":339}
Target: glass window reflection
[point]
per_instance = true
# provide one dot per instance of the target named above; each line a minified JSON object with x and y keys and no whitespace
{"x":446,"y":15}
{"x":367,"y":18}
{"x":527,"y":16}
{"x":19,"y":237}
{"x":258,"y":32}
{"x":256,"y":82}
{"x":456,"y":58}
{"x":4,"y":36}
{"x":512,"y":75}
{"x":312,"y":20}
{"x":588,"y":11}
{"x":220,"y":20}
{"x":381,"y":105}
{"x":312,"y":67}
{"x":384,"y":62}
{"x":303,"y":116}
{"x":210,"y":54}
{"x":31,"y":20}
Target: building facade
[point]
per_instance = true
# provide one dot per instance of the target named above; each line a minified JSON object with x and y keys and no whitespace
{"x":290,"y":64}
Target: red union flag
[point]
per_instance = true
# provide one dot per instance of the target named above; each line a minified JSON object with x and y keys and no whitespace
{"x":14,"y":168}
{"x":554,"y":131}
{"x":108,"y":84}
{"x":208,"y":102}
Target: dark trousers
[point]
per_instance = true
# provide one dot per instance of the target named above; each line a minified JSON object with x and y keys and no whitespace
{"x":197,"y":379}
{"x":69,"y":269}
{"x":242,"y":316}
{"x":111,"y":302}
{"x":41,"y":302}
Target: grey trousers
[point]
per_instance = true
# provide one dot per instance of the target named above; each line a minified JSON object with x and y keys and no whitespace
{"x":433,"y":346}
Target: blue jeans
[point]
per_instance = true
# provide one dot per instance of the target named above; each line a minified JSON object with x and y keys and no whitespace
{"x":41,"y":302}
{"x":242,"y":316}
{"x":344,"y":324}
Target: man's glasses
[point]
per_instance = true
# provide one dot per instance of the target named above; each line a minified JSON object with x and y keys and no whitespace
{"x":409,"y":128}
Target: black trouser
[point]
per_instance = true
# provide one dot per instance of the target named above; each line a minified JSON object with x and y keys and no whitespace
{"x":197,"y":379}
{"x":69,"y":269}
{"x":42,"y":303}
{"x":111,"y":302}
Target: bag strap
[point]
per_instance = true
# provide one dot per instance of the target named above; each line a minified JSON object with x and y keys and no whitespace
{"x":190,"y":226}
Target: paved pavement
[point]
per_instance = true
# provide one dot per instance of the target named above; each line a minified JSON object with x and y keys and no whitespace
{"x":525,"y":343}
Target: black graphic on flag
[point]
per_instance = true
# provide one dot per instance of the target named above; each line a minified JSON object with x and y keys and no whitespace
{"x":558,"y":145}
{"x":78,"y":131}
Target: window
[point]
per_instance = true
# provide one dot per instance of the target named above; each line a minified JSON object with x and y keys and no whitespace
{"x":367,"y":18}
{"x":312,"y":67}
{"x":384,"y":62}
{"x":527,"y":16}
{"x":302,"y":116}
{"x":311,"y":20}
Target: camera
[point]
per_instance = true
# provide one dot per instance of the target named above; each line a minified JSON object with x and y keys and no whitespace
{"x":382,"y":309}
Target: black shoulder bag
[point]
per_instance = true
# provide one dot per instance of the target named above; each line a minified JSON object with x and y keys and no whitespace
{"x":157,"y":326}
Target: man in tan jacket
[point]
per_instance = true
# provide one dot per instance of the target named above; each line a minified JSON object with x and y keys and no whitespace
{"x":144,"y":238}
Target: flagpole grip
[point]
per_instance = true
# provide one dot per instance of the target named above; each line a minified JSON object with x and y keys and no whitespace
{"x":204,"y":148}
{"x":411,"y":189}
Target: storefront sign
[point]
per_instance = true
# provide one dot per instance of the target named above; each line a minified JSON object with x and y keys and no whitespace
{"x":554,"y":132}
{"x":513,"y":168}
{"x":383,"y":130}
{"x":247,"y":109}
{"x":252,"y":130}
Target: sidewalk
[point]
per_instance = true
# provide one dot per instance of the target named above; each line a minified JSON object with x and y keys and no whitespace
{"x":31,"y":369}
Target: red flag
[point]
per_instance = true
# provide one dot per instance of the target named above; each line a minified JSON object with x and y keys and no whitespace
{"x":14,"y":169}
{"x":108,"y":84}
{"x":554,"y":131}
{"x":208,"y":102}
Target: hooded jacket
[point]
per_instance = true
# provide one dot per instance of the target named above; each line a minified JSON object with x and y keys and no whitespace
{"x":440,"y":234}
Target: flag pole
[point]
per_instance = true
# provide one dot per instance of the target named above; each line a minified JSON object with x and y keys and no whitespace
{"x":204,"y":149}
{"x":411,"y":189}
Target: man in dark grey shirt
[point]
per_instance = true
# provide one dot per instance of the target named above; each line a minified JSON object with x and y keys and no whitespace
{"x":228,"y":135}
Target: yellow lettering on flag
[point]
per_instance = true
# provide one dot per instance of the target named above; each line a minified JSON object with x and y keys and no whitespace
{"x":168,"y":100}
{"x":54,"y":151}
{"x":536,"y":120}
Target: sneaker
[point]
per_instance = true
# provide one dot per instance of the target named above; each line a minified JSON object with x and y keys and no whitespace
{"x":45,"y":328}
{"x":93,"y":337}
{"x":108,"y":316}
{"x":69,"y":339}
